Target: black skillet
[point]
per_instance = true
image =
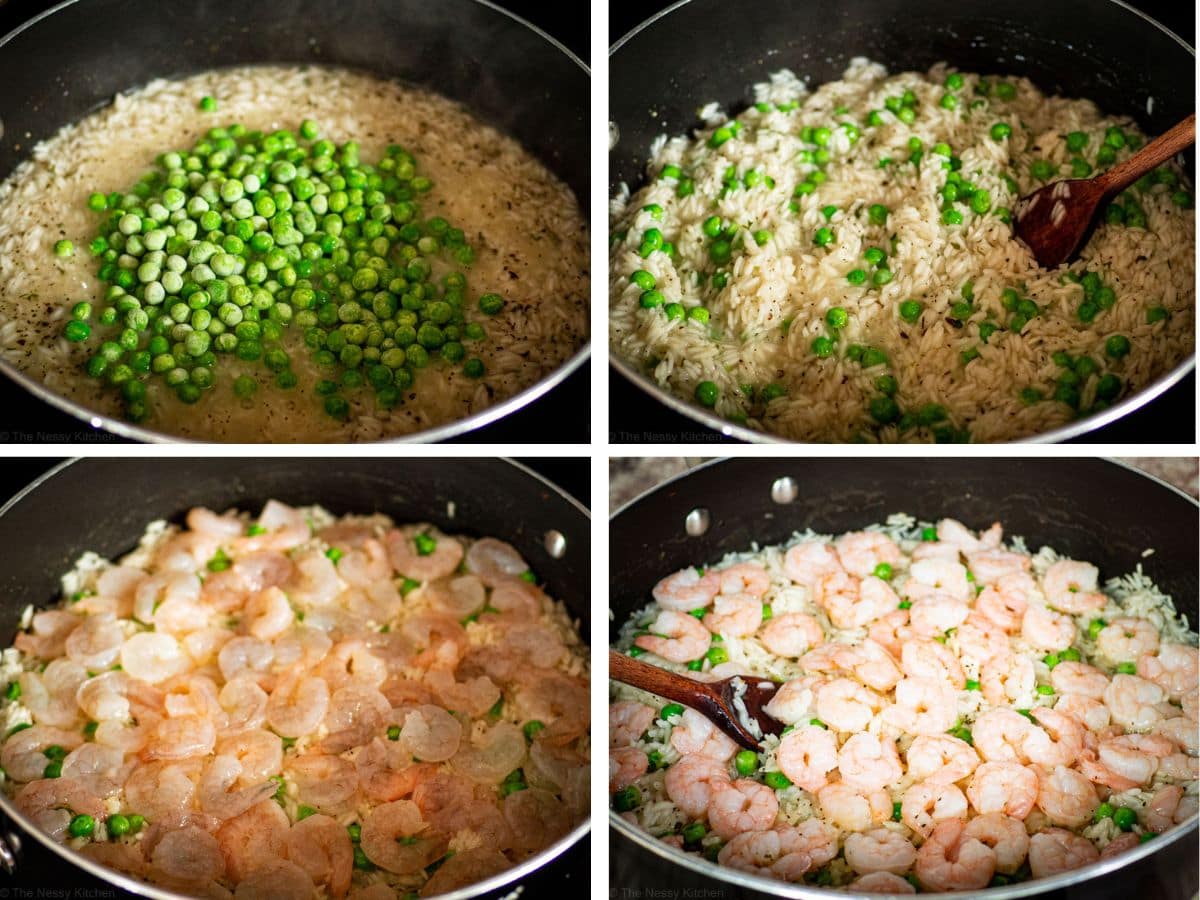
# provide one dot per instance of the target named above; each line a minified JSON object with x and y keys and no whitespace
{"x":105,"y":504}
{"x":1089,"y":509}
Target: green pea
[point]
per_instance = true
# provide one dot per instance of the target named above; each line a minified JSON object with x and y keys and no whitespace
{"x":823,"y":347}
{"x":1117,"y":346}
{"x":1000,"y":131}
{"x":746,"y":762}
{"x":1124,"y":818}
{"x":706,"y":394}
{"x":627,"y":799}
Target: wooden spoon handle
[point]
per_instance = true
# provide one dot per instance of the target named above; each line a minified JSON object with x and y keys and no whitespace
{"x":1150,"y":157}
{"x":659,"y":681}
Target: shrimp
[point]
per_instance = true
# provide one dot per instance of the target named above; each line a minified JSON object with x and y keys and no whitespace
{"x":871,"y":663}
{"x":1092,"y":714}
{"x":188,"y":856}
{"x":48,"y":633}
{"x":50,"y":696}
{"x":628,"y":721}
{"x":1135,"y":703}
{"x":490,"y":756}
{"x":923,"y":707}
{"x":924,"y":805}
{"x":322,"y":848}
{"x":934,"y":615}
{"x":1066,"y":797}
{"x":386,"y":773}
{"x":868,"y":762}
{"x":1121,"y":843}
{"x":625,"y":766}
{"x":96,"y":643}
{"x":978,"y":639}
{"x":461,"y":596}
{"x":783,"y":852}
{"x":933,"y":661}
{"x":1055,"y":850}
{"x":807,"y":755}
{"x":846,"y":705}
{"x":462,"y":869}
{"x":696,"y":734}
{"x":537,"y":818}
{"x":424,"y":553}
{"x":1079,"y":678}
{"x":860,"y":552}
{"x":43,"y":795}
{"x":1180,"y":729}
{"x":883,"y":883}
{"x":491,"y":559}
{"x":475,"y":696}
{"x":989,"y":566}
{"x":314,"y":581}
{"x":1047,"y":630}
{"x":929,"y":578}
{"x":243,"y":704}
{"x":1134,"y":756}
{"x":791,"y":634}
{"x":516,"y":601}
{"x":115,"y":695}
{"x":152,"y":657}
{"x":281,"y":527}
{"x":959,"y":536}
{"x":999,"y":735}
{"x":733,"y":615}
{"x":247,"y":656}
{"x":1055,"y":739}
{"x":743,"y":805}
{"x":268,"y":614}
{"x":879,"y":850}
{"x":258,"y":834}
{"x":1173,"y":668}
{"x":216,"y":798}
{"x":1127,"y":639}
{"x":1070,"y":587}
{"x":355,"y":713}
{"x":876,"y":599}
{"x":1005,"y":835}
{"x":191,"y":695}
{"x":808,"y":563}
{"x":691,"y":783}
{"x":741,"y":578}
{"x":1168,"y":807}
{"x":396,"y":838}
{"x":940,"y":759}
{"x":676,"y":637}
{"x":328,"y":783}
{"x":949,"y":860}
{"x":1003,"y":787}
{"x":431,"y":734}
{"x":884,"y":631}
{"x":851,"y":810}
{"x":156,"y":790}
{"x":298,"y":705}
{"x":260,"y":753}
{"x":1002,"y":606}
{"x":1008,"y":680}
{"x":276,"y":879}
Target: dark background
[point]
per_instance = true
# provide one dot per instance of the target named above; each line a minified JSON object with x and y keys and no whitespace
{"x":39,"y":870}
{"x":24,"y":418}
{"x":636,"y":417}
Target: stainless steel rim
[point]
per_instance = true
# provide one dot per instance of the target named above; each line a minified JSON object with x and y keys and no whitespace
{"x":500,"y":880}
{"x":1151,"y":392}
{"x":783,"y":889}
{"x":444,"y":432}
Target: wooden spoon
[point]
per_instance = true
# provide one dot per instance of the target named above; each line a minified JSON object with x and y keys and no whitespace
{"x":1054,"y":220}
{"x":713,"y":699}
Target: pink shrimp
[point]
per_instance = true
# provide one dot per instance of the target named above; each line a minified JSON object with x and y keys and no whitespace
{"x":852,"y":810}
{"x":625,"y":766}
{"x":1047,"y":630}
{"x":999,"y":735}
{"x":933,"y":661}
{"x":1054,"y":740}
{"x":936,"y":614}
{"x":879,"y":850}
{"x":1008,"y":680}
{"x":940,"y":759}
{"x":684,"y":591}
{"x":1127,"y":639}
{"x":808,"y":563}
{"x":1173,"y":668}
{"x":628,"y":721}
{"x":734,"y":615}
{"x":691,"y":782}
{"x":1004,"y":608}
{"x":1167,"y":808}
{"x":741,"y":578}
{"x":871,"y":663}
{"x":807,"y":755}
{"x":846,"y":705}
{"x":795,"y":701}
{"x":949,"y":860}
{"x":1078,"y":678}
{"x":923,"y":707}
{"x":743,"y":805}
{"x":1055,"y":850}
{"x":791,"y":634}
{"x":1066,"y":797}
{"x":861,"y":551}
{"x":990,"y":565}
{"x":696,"y":734}
{"x":1003,"y":787}
{"x":868,"y":762}
{"x":676,"y":637}
{"x":924,"y":805}
{"x":1071,"y":587}
{"x":1005,"y":835}
{"x":423,"y":553}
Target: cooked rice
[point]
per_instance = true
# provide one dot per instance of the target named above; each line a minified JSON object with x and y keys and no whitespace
{"x":763,"y":323}
{"x":526,"y":227}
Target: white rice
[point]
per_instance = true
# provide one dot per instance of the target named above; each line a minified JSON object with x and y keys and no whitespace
{"x":764,"y":321}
